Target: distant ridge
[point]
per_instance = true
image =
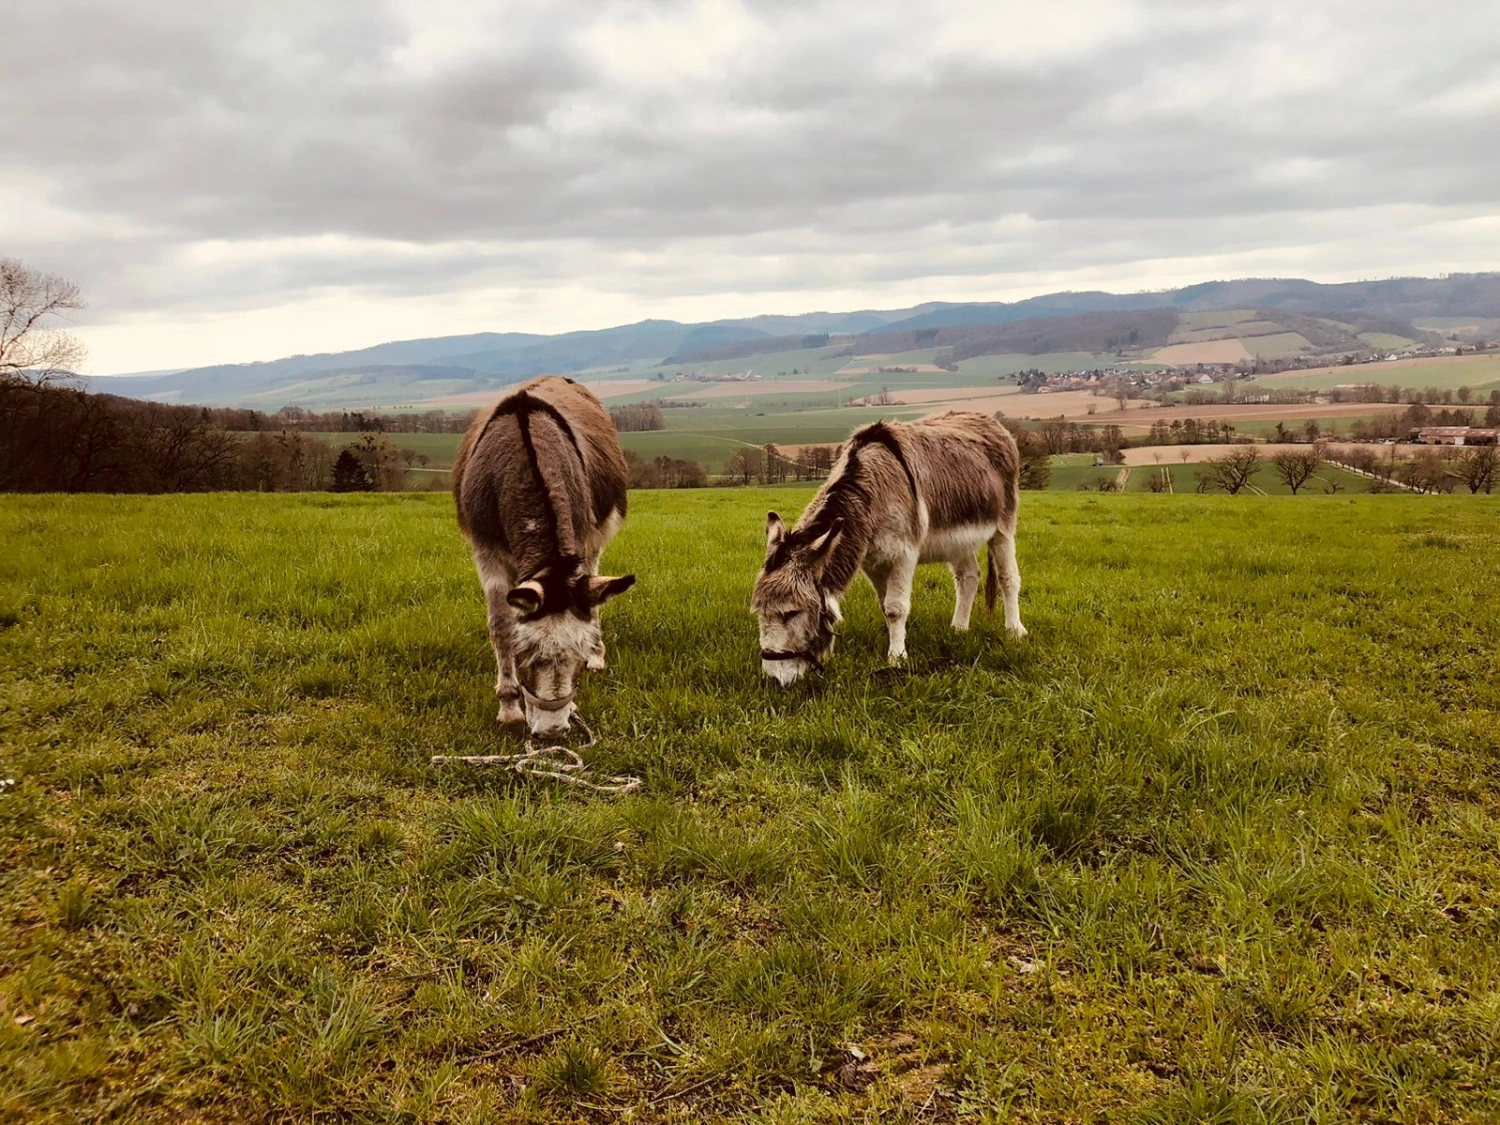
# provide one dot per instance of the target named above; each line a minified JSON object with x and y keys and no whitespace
{"x":459,"y":365}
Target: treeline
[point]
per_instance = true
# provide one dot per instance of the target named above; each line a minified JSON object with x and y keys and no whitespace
{"x":56,"y":437}
{"x":291,"y":418}
{"x":664,"y":472}
{"x":1191,"y":431}
{"x":1058,"y":435}
{"x":1442,"y":471}
{"x":637,"y":417}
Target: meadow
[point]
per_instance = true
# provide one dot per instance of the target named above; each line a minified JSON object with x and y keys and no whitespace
{"x":1216,"y":842}
{"x":1480,"y":372}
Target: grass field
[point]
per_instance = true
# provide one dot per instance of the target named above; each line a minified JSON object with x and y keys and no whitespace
{"x":1216,"y":842}
{"x":1481,"y":372}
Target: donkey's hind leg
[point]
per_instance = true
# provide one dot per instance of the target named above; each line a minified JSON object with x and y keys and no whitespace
{"x":965,"y":587}
{"x":1003,"y":568}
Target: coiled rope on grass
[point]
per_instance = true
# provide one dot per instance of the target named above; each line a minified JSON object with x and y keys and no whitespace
{"x":552,"y":762}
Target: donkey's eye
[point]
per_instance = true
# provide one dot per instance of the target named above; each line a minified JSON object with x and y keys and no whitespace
{"x":788,"y":618}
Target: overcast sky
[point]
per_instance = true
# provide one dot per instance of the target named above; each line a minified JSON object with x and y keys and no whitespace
{"x":244,"y":179}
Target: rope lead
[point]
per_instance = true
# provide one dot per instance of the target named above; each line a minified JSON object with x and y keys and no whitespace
{"x":554,"y":763}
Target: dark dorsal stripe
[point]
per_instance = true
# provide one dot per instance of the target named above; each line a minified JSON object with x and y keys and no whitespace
{"x":878,"y":433}
{"x":522,"y":404}
{"x":558,"y":591}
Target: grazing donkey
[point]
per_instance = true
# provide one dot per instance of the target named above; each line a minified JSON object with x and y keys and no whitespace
{"x":540,"y":485}
{"x":900,"y":494}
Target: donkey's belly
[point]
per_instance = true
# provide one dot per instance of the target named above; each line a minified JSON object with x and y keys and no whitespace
{"x":955,"y":543}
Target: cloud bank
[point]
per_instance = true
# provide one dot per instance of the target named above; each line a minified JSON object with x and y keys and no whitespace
{"x":237,"y":180}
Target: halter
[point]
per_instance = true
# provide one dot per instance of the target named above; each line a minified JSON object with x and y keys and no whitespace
{"x":825,"y":633}
{"x":546,"y":704}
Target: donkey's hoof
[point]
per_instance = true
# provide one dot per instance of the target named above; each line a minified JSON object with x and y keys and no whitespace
{"x":1018,"y":630}
{"x":511,"y":716}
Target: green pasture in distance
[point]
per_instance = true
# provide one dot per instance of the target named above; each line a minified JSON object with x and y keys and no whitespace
{"x":1341,"y":425}
{"x":1067,"y":478}
{"x":1216,"y":841}
{"x":1482,"y":373}
{"x":440,"y":448}
{"x":1264,"y":483}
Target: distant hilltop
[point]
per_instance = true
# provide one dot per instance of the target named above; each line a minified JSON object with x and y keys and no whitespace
{"x":1270,"y":319}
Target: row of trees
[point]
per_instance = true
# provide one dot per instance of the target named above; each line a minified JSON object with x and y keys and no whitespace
{"x":637,"y":417}
{"x":57,"y":437}
{"x":246,"y":420}
{"x":1476,"y":468}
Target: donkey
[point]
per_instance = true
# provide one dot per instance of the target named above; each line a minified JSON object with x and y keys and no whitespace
{"x":900,"y":494}
{"x":540,"y":485}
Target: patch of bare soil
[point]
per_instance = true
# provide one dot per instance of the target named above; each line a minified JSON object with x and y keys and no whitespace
{"x":896,"y":1062}
{"x":1203,"y":351}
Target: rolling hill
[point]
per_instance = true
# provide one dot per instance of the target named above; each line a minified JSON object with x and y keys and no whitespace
{"x":1217,"y":321}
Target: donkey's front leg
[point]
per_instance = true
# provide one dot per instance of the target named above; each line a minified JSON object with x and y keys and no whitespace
{"x":595,"y":660}
{"x":897,"y":605}
{"x":502,"y":620}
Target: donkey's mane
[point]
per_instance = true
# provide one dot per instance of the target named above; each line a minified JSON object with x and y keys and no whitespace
{"x":845,"y":497}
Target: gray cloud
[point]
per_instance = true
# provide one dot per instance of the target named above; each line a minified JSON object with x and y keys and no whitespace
{"x":245,"y":154}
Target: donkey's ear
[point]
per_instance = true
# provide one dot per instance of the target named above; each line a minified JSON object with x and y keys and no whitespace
{"x":821,"y":547}
{"x":526,"y":598}
{"x":602,"y":589}
{"x":775,"y":531}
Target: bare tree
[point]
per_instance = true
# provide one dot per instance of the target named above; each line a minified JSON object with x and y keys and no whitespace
{"x":1297,"y":467}
{"x":29,"y":301}
{"x":1479,"y":467}
{"x":776,"y":463}
{"x":744,"y":464}
{"x":1232,"y":470}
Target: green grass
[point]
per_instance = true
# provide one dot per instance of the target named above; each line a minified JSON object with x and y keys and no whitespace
{"x":711,"y":434}
{"x":1069,"y":478}
{"x":1216,"y":842}
{"x":1482,"y":374}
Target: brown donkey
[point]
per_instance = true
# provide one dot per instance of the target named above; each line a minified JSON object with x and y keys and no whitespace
{"x":540,"y":485}
{"x":900,"y":494}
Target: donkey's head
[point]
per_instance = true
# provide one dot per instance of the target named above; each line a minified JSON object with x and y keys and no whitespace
{"x":797,"y":614}
{"x":556,"y":636}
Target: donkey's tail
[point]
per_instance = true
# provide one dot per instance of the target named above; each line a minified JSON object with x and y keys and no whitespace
{"x":992,"y":575}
